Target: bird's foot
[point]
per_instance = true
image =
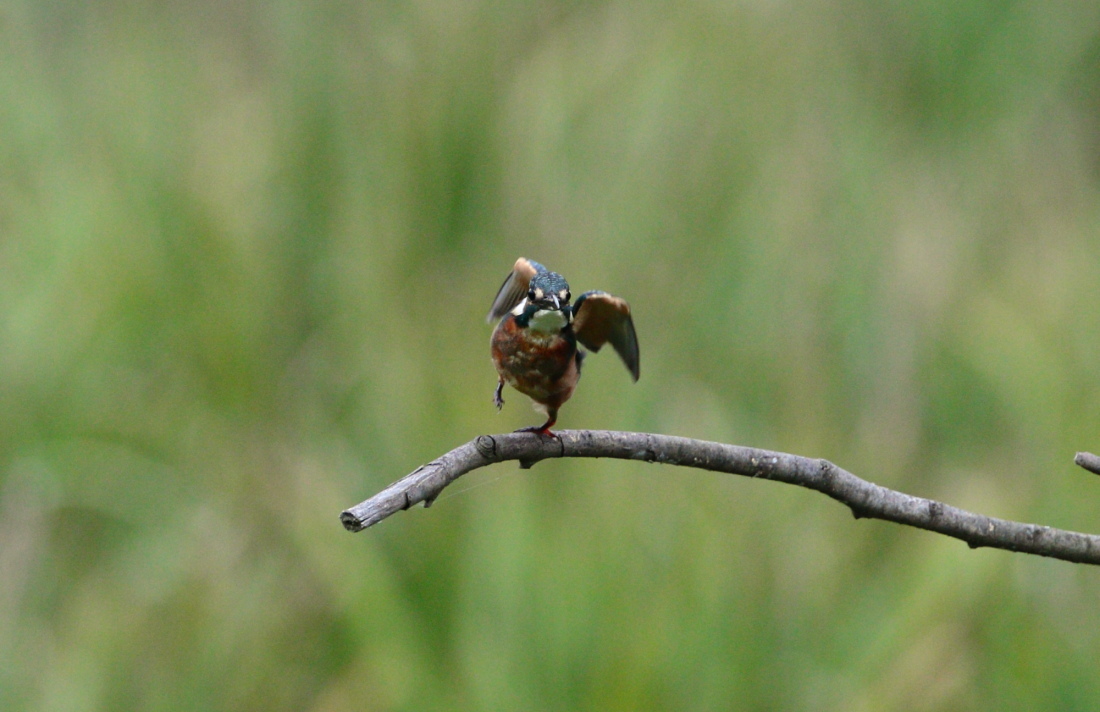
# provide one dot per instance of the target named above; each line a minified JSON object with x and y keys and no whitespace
{"x":498,"y":398}
{"x":540,"y":430}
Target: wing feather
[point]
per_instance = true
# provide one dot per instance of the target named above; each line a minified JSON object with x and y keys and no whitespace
{"x":514,"y":288}
{"x":599,"y":318}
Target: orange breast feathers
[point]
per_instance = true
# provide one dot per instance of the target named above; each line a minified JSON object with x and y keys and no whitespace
{"x":543,"y":369}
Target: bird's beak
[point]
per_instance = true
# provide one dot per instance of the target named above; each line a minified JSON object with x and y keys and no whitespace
{"x":557,"y":302}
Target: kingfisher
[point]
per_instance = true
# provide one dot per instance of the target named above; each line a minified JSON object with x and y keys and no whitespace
{"x":534,"y":346}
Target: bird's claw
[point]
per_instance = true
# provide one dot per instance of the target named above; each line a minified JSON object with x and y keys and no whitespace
{"x":541,"y":431}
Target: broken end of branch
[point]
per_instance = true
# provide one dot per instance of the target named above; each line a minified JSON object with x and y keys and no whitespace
{"x":1088,"y":461}
{"x":351,"y":521}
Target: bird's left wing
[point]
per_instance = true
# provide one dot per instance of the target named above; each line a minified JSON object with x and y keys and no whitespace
{"x":599,"y":318}
{"x":514,"y":288}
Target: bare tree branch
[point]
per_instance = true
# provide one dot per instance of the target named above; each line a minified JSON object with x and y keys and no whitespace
{"x":865,"y":499}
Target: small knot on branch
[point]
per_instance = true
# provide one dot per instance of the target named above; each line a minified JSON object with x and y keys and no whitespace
{"x":486,"y":446}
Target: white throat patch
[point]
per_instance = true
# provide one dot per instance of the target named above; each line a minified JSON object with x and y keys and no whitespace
{"x":548,"y":321}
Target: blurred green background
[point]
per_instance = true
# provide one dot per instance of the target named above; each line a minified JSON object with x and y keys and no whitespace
{"x":246,"y":250}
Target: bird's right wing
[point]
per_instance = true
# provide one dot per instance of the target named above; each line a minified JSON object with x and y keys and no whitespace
{"x":514,"y":288}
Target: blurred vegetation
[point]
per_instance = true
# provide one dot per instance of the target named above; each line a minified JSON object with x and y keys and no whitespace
{"x":245,"y":253}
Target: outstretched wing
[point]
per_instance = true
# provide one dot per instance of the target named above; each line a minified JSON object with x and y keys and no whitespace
{"x":599,"y":318}
{"x":514,"y":288}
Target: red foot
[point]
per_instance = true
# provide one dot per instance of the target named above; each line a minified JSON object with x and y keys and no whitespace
{"x":543,"y":430}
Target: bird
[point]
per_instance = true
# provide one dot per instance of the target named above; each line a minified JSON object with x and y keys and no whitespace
{"x":535,"y":344}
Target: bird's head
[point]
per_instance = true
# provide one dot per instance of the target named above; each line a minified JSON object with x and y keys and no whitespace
{"x":549,"y":291}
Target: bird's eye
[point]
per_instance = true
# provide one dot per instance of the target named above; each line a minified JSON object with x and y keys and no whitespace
{"x":568,"y":296}
{"x":531,"y":294}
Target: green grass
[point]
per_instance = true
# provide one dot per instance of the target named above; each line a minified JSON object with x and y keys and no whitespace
{"x":245,"y":255}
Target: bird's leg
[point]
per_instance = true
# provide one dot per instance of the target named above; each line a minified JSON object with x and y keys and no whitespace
{"x":544,"y":429}
{"x":498,"y":398}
